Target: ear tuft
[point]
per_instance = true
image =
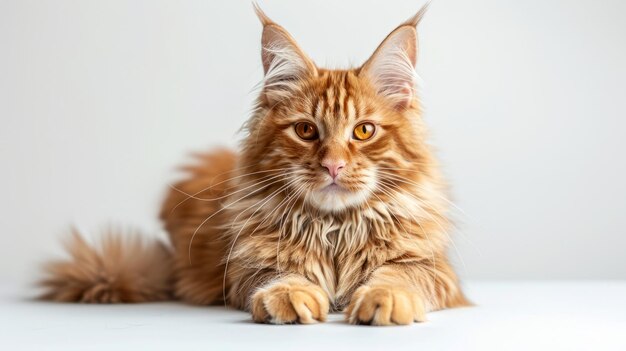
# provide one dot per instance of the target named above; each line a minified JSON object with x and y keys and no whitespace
{"x":417,"y":18}
{"x":261,"y":15}
{"x":391,"y":68}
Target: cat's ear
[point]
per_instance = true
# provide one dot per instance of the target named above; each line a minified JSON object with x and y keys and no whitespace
{"x":391,"y":68}
{"x":284,"y":62}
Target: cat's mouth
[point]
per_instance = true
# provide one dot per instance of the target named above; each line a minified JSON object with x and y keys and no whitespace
{"x":334,"y":188}
{"x":334,"y":197}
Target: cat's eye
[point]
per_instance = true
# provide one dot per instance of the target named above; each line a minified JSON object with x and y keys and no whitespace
{"x":306,"y":130}
{"x":363,"y":131}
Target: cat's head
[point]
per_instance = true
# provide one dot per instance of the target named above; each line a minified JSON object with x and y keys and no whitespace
{"x":337,"y":137}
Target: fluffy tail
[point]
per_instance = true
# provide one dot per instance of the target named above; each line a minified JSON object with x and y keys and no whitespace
{"x":123,"y":268}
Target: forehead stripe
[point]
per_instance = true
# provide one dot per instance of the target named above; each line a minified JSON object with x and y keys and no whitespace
{"x":350,"y":109}
{"x":315,"y":106}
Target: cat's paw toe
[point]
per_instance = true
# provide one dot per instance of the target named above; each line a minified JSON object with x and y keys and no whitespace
{"x":285,"y":303}
{"x":383,"y":305}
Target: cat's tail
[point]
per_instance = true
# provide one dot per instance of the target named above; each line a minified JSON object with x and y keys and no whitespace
{"x":124,"y":267}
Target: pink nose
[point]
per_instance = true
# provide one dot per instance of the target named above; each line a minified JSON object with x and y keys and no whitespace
{"x":334,"y":167}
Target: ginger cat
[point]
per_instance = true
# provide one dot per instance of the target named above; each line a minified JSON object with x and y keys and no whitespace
{"x":334,"y":202}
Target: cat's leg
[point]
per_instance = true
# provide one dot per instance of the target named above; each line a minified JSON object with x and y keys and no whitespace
{"x":280,"y":299}
{"x":398,"y":294}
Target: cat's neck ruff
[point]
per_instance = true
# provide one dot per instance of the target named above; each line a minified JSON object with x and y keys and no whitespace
{"x":303,"y":223}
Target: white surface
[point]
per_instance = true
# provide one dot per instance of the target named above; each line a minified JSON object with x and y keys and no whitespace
{"x":101,"y":100}
{"x":508,"y":316}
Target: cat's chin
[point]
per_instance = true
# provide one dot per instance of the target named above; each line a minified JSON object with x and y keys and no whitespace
{"x":334,"y":198}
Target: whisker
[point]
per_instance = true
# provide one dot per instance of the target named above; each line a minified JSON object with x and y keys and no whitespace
{"x":400,"y":178}
{"x":268,"y":216}
{"x":283,"y":229}
{"x":404,"y":180}
{"x":208,"y":188}
{"x":432,"y":251}
{"x":232,"y":223}
{"x":438,"y":224}
{"x":231,"y":193}
{"x":222,"y":209}
{"x":230,"y":251}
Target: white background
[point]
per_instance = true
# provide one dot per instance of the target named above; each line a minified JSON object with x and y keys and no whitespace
{"x":101,"y":100}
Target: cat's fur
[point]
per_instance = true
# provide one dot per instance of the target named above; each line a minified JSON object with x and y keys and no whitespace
{"x":262,"y":230}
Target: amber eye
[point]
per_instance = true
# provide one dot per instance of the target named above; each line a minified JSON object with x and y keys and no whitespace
{"x":306,"y":130}
{"x":363,"y":131}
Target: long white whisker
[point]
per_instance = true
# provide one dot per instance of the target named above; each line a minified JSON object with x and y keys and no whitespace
{"x":402,"y":179}
{"x":208,"y":188}
{"x":432,"y":251}
{"x":268,"y":216}
{"x":283,"y":229}
{"x":232,"y":223}
{"x":230,"y":251}
{"x":438,"y":224}
{"x":222,"y":209}
{"x":234,"y":192}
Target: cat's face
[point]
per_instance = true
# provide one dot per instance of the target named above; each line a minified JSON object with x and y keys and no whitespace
{"x":337,"y":134}
{"x":338,"y":138}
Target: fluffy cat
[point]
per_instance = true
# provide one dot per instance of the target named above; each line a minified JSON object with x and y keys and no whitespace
{"x":334,"y":202}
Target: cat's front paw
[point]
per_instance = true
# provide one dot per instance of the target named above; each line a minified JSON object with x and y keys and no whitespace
{"x":287,"y":303}
{"x":385,"y":305}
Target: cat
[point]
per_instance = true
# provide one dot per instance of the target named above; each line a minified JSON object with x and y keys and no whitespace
{"x":333,"y":203}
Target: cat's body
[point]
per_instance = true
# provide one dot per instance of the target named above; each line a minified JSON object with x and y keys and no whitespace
{"x":334,"y":202}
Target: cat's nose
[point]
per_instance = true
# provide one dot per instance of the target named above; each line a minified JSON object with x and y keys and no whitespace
{"x":333,"y":167}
